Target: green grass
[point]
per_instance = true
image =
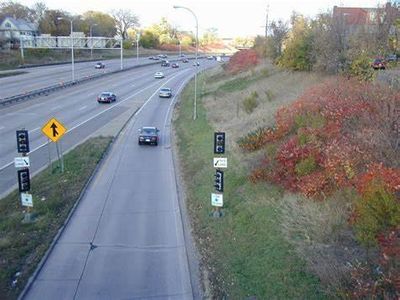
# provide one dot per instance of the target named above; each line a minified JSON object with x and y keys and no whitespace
{"x":23,"y":245}
{"x":245,"y":249}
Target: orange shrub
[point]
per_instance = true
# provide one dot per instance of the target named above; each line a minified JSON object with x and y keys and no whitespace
{"x":242,"y":61}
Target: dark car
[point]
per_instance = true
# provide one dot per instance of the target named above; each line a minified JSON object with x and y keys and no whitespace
{"x":165,"y":93}
{"x":379,"y":64}
{"x":99,"y":65}
{"x":148,"y":135}
{"x":165,"y":63}
{"x":106,"y":97}
{"x":175,"y":65}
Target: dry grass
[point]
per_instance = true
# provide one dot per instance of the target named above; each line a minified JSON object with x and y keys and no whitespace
{"x":318,"y":231}
{"x":275,"y":88}
{"x":320,"y":234}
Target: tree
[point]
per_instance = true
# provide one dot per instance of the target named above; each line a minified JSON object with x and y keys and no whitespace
{"x":50,"y":23}
{"x":274,"y":42}
{"x":16,"y":10}
{"x":39,"y":10}
{"x":297,"y":53}
{"x":124,"y":19}
{"x":210,"y":36}
{"x":165,"y":32}
{"x":105,"y":24}
{"x":149,"y":39}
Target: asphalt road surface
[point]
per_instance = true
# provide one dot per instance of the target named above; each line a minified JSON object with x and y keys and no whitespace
{"x":39,"y":77}
{"x":77,"y":109}
{"x":125,"y":240}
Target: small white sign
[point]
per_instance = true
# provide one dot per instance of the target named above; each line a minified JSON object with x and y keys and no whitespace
{"x":217,"y":200}
{"x":26,"y":200}
{"x":220,"y":162}
{"x":21,"y":162}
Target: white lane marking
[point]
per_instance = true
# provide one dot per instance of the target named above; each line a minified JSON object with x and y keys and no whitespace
{"x":33,"y":130}
{"x":82,"y":108}
{"x":100,"y":113}
{"x":55,"y":108}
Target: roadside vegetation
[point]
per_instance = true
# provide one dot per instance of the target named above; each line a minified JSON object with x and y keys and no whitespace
{"x":244,"y":253}
{"x":314,"y":168}
{"x":22,"y":245}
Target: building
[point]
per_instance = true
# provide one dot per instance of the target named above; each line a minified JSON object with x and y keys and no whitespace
{"x":12,"y":30}
{"x":354,"y":19}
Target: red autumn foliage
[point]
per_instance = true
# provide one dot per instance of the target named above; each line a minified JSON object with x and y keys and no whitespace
{"x":242,"y":61}
{"x":388,"y":177}
{"x":381,"y":281}
{"x":328,"y":122}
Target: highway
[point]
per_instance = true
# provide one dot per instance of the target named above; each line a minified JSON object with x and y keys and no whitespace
{"x":77,"y":109}
{"x":44,"y":76}
{"x":125,"y":240}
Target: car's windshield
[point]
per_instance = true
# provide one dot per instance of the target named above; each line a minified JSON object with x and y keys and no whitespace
{"x":165,"y":90}
{"x":105,"y":94}
{"x":148,"y":131}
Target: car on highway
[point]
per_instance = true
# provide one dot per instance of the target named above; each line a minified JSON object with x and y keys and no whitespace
{"x":148,"y":135}
{"x":210,"y":57}
{"x":196,"y":63}
{"x":165,"y":63}
{"x":159,"y":75}
{"x":175,"y":65}
{"x":162,"y":56}
{"x":185,"y":60}
{"x":379,"y":64}
{"x":106,"y":97}
{"x":99,"y":65}
{"x":165,"y":93}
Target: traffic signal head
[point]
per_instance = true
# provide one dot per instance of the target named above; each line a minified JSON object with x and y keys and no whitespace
{"x":22,"y":141}
{"x":24,"y":182}
{"x":219,"y":142}
{"x":219,"y":181}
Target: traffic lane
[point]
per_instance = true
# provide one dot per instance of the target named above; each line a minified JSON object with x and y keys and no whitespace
{"x":52,"y":102}
{"x":40,"y":77}
{"x":25,"y":114}
{"x":144,"y":259}
{"x":69,"y":106}
{"x":7,"y":174}
{"x":140,"y":221}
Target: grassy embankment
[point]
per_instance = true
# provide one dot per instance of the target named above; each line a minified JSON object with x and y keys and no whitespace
{"x":243,"y":253}
{"x":23,"y":245}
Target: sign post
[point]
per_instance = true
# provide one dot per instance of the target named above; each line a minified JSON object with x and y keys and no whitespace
{"x":54,"y":130}
{"x":218,"y":163}
{"x":22,"y":163}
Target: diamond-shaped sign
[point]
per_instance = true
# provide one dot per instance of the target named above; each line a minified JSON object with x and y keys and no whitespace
{"x":54,"y":130}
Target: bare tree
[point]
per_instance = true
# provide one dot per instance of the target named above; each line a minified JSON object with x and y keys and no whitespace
{"x":124,"y":19}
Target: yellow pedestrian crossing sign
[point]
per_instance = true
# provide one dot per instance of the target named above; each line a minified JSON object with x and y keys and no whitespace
{"x":54,"y":129}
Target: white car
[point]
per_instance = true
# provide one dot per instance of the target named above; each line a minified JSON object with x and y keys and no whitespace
{"x":159,"y":75}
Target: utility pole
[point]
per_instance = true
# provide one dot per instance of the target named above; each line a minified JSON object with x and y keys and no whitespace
{"x":266,"y":22}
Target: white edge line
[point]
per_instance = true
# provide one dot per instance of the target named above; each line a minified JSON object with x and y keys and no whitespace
{"x":103,"y":111}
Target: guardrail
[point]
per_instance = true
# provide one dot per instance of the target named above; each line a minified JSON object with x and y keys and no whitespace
{"x":47,"y":90}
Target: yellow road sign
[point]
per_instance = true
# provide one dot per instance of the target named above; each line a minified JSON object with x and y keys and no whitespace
{"x":54,"y":129}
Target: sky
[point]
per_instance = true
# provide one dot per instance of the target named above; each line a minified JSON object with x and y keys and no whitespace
{"x":232,"y":18}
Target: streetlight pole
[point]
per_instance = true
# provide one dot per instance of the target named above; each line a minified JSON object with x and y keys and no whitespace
{"x":91,"y":40}
{"x":197,"y":51}
{"x":72,"y":54}
{"x":72,"y":49}
{"x":137,"y":46}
